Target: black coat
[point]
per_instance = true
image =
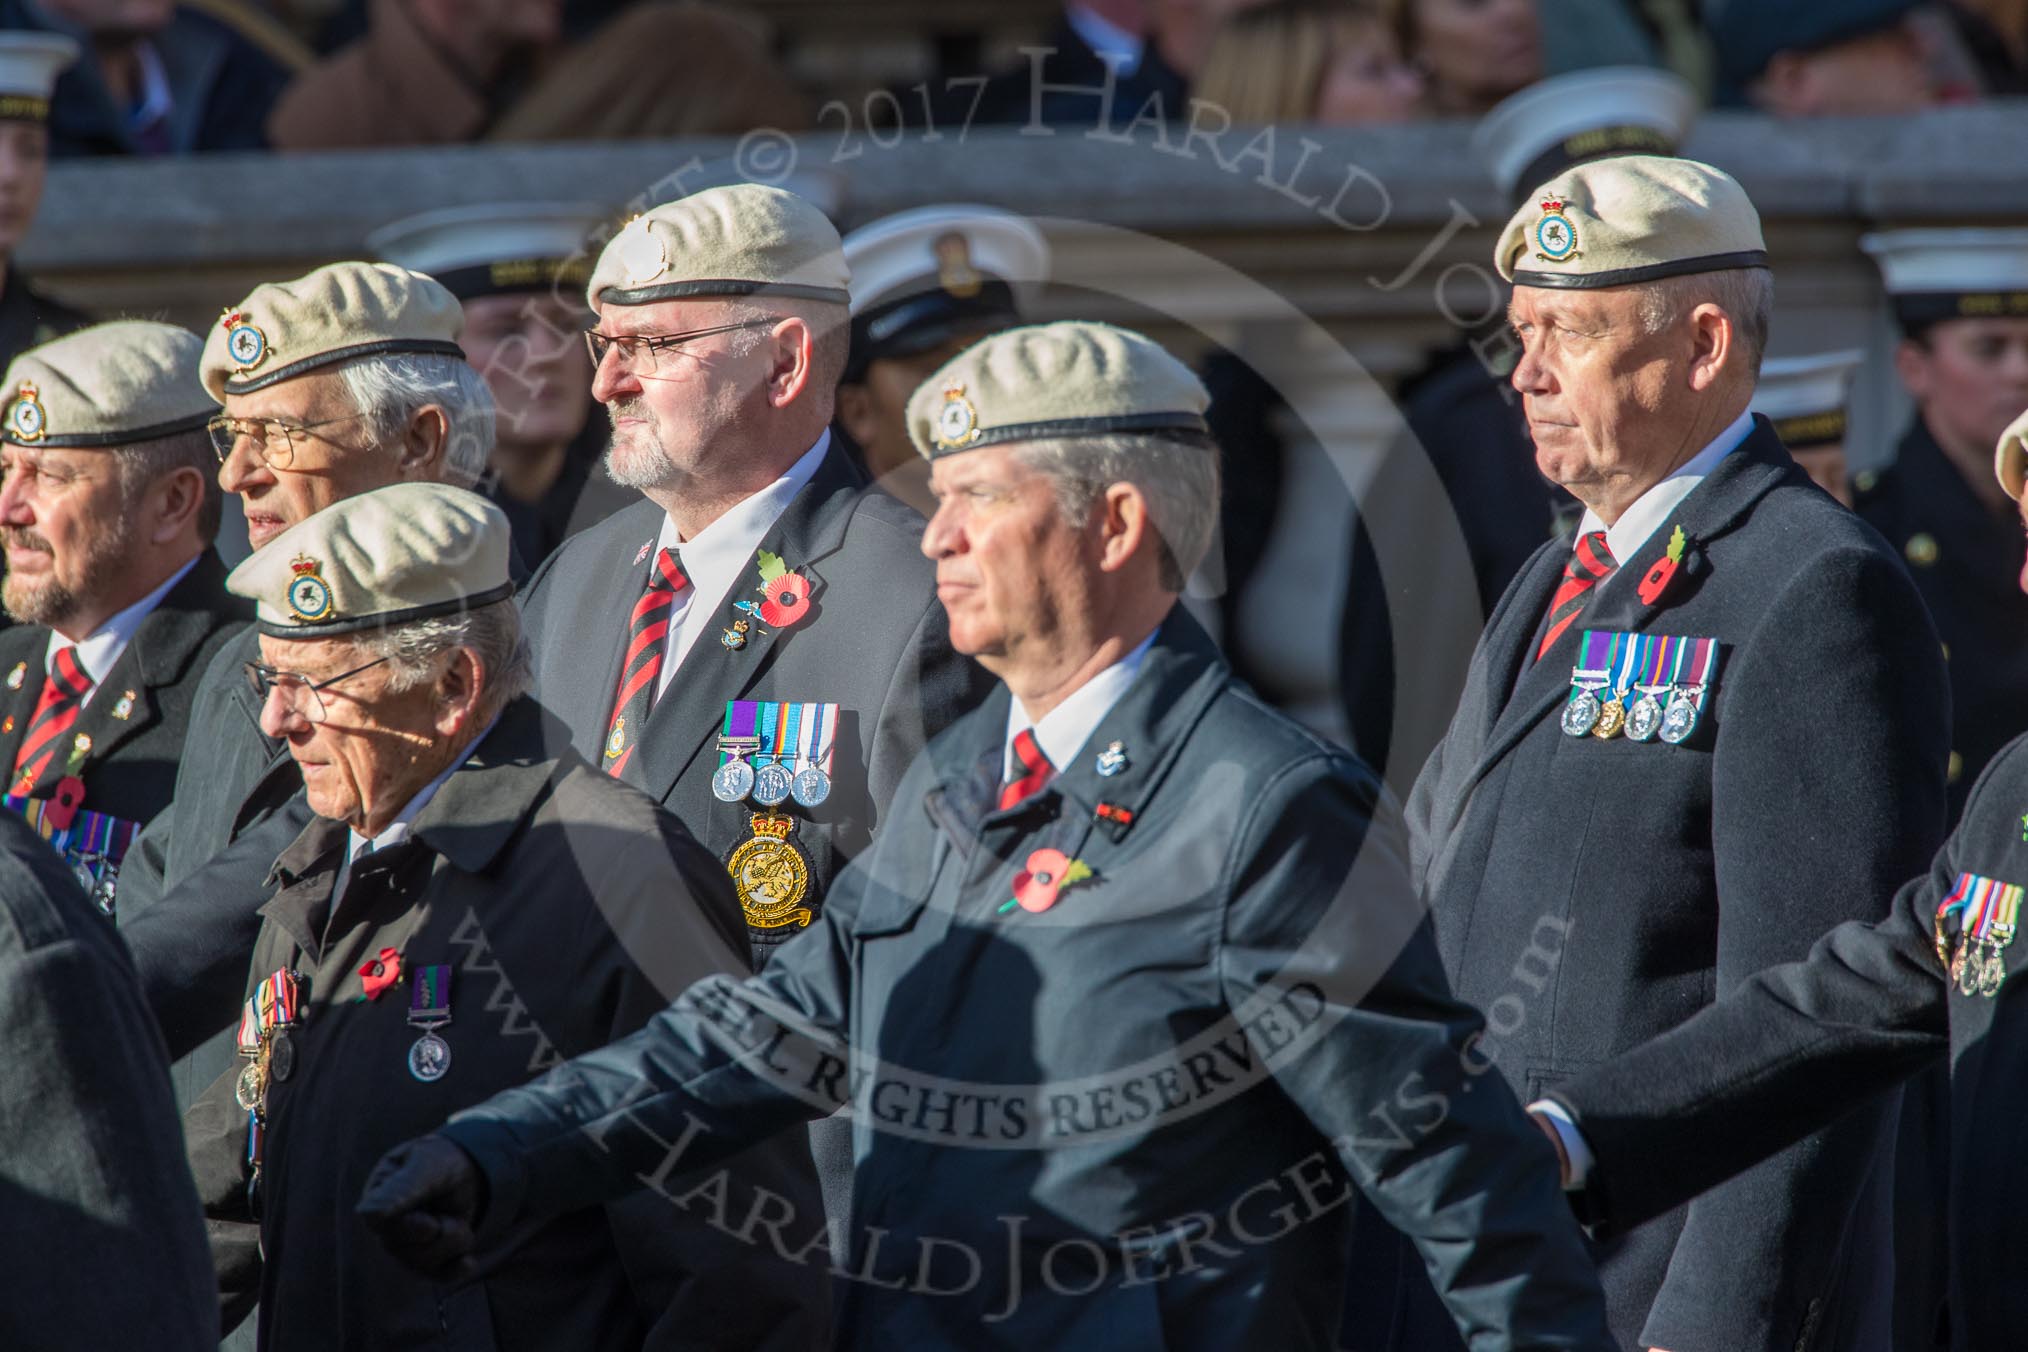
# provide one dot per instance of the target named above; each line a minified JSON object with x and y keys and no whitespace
{"x":1167,"y":1086}
{"x":101,"y":1237}
{"x":1965,"y":555}
{"x":29,"y":319}
{"x":1591,"y":893}
{"x":1799,"y":1045}
{"x":567,"y":905}
{"x":1065,"y":92}
{"x":141,"y":711}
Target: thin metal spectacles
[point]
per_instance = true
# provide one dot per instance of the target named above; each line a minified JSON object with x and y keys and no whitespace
{"x":271,"y":441}
{"x":299,"y":692}
{"x":641,"y":352}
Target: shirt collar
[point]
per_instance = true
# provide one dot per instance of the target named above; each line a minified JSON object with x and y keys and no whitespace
{"x":713,"y":558}
{"x":1066,"y":728}
{"x":1653,"y":507}
{"x":403,"y":825}
{"x":98,"y":650}
{"x":1110,"y":41}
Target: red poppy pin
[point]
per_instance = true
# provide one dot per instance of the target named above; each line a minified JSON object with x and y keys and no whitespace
{"x":1664,"y":572}
{"x":64,"y":803}
{"x":1049,"y":872}
{"x":377,"y":974}
{"x":785,"y":595}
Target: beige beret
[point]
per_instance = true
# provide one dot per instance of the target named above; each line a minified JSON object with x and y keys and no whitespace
{"x":1630,"y":219}
{"x":1070,"y":379}
{"x":409,"y":551}
{"x":339,"y":312}
{"x":108,"y":385}
{"x":2012,"y":453}
{"x":742,"y":240}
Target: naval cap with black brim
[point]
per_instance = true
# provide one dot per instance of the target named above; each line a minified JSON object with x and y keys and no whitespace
{"x":406,"y":552}
{"x":1941,"y":273}
{"x":744,"y":239}
{"x":1628,"y":220}
{"x":925,"y":276}
{"x":114,"y":384}
{"x":2011,"y":454}
{"x":497,"y":248}
{"x":29,"y":65}
{"x":1073,"y":378}
{"x":339,"y":313}
{"x":1585,"y":115}
{"x":1806,"y":397}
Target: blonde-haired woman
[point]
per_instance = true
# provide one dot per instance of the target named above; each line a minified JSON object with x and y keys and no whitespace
{"x":1309,"y":61}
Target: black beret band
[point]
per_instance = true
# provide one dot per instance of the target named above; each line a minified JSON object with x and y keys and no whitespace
{"x":386,"y":619}
{"x":1187,"y":426}
{"x":1651,"y":272}
{"x":648,"y":295}
{"x":95,"y":440}
{"x":437,"y":347}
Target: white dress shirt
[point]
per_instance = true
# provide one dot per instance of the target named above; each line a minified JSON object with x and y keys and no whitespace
{"x":98,"y":650}
{"x":1067,"y":727}
{"x":717,"y":560}
{"x":1652,"y":508}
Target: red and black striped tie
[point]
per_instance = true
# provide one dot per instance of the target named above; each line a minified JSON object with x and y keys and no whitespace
{"x":62,"y":696}
{"x":1590,"y":564}
{"x":1035,"y":770}
{"x":641,"y":669}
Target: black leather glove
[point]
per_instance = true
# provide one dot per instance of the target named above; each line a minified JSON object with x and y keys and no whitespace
{"x":424,"y":1200}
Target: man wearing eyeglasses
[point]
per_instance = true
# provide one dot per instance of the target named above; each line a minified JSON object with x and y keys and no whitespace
{"x":339,"y":382}
{"x":449,"y":922}
{"x":108,"y":513}
{"x":757,"y":644}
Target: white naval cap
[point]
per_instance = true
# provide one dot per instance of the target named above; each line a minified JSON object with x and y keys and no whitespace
{"x":29,"y":65}
{"x":1934,"y":274}
{"x":921,"y":277}
{"x":1805,"y":397}
{"x":498,"y":247}
{"x":1534,"y":135}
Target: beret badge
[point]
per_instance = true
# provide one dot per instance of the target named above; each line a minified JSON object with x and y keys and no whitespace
{"x":641,"y":253}
{"x":244,"y":341}
{"x":957,"y":420}
{"x":26,"y":418}
{"x":309,"y":593}
{"x":1555,"y":235}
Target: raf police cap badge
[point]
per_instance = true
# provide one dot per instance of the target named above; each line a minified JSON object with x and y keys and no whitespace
{"x":1555,"y":236}
{"x":309,"y":593}
{"x":641,"y":253}
{"x":244,"y":341}
{"x":957,"y":421}
{"x":27,"y":420}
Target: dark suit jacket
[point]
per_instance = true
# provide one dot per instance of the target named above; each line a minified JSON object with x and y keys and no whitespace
{"x":569,"y":908}
{"x":1799,"y":1045}
{"x":100,"y":1232}
{"x":875,"y":642}
{"x":28,"y":318}
{"x":137,"y":742}
{"x":1179,"y":1073}
{"x":1589,"y":894}
{"x":1066,"y":89}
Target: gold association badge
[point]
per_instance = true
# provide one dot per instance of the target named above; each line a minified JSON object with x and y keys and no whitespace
{"x":771,"y":875}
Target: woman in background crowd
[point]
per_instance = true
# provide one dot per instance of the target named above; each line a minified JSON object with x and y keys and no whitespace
{"x":1473,"y":53}
{"x":1309,"y":61}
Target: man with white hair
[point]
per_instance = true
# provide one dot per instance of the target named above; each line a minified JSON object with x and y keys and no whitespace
{"x":469,"y":903}
{"x":1132,"y":988}
{"x":339,"y":382}
{"x":1691,"y":739}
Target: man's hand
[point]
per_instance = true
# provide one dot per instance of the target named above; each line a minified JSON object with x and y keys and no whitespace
{"x":423,"y":1200}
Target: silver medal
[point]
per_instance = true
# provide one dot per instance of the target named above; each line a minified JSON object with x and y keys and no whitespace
{"x":733,"y":782}
{"x":1680,"y":719}
{"x":281,"y":1055}
{"x":1581,"y":714}
{"x":1644,"y":718}
{"x":430,"y":1057}
{"x":811,"y":786}
{"x":772,"y":785}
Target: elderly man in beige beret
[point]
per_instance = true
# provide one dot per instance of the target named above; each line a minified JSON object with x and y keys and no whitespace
{"x":1932,"y":986}
{"x":108,"y":511}
{"x":341,"y":381}
{"x":469,"y":903}
{"x":1119,"y":862}
{"x":1693,"y":737}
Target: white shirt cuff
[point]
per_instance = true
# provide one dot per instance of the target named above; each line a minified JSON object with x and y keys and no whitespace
{"x":1574,"y":1147}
